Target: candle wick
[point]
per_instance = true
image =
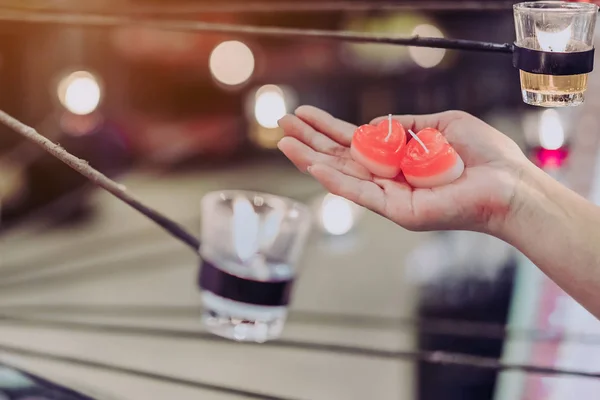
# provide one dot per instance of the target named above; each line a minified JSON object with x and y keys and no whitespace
{"x":418,"y":140}
{"x":389,"y":135}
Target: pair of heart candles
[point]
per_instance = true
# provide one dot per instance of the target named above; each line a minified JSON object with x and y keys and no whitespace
{"x":427,"y":161}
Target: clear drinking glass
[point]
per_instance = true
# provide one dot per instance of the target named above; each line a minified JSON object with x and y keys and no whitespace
{"x":554,"y":26}
{"x":251,"y":244}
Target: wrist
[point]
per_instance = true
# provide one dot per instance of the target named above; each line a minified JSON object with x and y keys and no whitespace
{"x":535,"y":206}
{"x":527,"y":193}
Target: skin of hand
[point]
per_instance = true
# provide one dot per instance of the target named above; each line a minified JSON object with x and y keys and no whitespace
{"x":500,"y":193}
{"x":481,"y":200}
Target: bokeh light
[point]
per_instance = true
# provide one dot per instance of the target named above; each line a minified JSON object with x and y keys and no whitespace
{"x":426,"y":57}
{"x":551,"y":159}
{"x":13,"y":182}
{"x":232,"y":63}
{"x":338,"y":215}
{"x":551,"y":130}
{"x":269,"y":106}
{"x":381,"y":58}
{"x":80,"y":93}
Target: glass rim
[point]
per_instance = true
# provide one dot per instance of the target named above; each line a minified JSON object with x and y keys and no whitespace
{"x":556,"y":7}
{"x":216,"y":195}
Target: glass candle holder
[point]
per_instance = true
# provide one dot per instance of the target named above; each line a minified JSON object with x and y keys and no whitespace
{"x":555,"y":27}
{"x":251,"y":244}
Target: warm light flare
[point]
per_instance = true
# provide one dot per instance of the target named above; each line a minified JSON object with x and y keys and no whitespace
{"x":232,"y":63}
{"x":80,"y":93}
{"x":426,"y":57}
{"x":337,"y":215}
{"x":269,"y":106}
{"x":551,"y":130}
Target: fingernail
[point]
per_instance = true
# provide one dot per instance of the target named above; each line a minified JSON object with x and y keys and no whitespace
{"x":308,"y":170}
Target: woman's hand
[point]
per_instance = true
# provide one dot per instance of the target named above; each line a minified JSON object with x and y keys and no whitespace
{"x":480,"y":200}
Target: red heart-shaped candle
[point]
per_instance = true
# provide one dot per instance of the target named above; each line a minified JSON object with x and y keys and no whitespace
{"x":432,"y":161}
{"x":379,"y":148}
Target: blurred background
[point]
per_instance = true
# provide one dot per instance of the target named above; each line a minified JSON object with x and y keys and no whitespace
{"x":174,"y":115}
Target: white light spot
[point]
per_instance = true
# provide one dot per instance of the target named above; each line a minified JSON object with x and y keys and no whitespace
{"x":294,"y":214}
{"x":551,"y":130}
{"x":269,"y":106}
{"x":232,"y":63}
{"x":246,"y":225}
{"x":554,"y":41}
{"x":426,"y":57}
{"x":337,"y":215}
{"x":270,"y":228}
{"x":80,"y":93}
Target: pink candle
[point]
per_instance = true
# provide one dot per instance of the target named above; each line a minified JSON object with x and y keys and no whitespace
{"x":379,"y":148}
{"x":430,"y":161}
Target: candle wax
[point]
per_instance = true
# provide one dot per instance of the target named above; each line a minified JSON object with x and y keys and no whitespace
{"x":438,"y":165}
{"x":379,"y":148}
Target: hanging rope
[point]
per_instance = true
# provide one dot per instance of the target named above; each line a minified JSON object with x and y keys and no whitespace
{"x":100,"y":180}
{"x":265,"y":7}
{"x":430,"y":357}
{"x":103,"y":20}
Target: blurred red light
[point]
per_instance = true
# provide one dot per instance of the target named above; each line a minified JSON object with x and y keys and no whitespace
{"x":552,"y":159}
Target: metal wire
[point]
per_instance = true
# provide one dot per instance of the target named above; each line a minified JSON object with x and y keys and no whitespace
{"x":172,"y":257}
{"x":107,"y":20}
{"x":428,"y":326}
{"x":247,"y":394}
{"x":149,"y":261}
{"x":81,"y":250}
{"x":430,"y":357}
{"x":20,"y":280}
{"x":169,"y":258}
{"x":252,"y":7}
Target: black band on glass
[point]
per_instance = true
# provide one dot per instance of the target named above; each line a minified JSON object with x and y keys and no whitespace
{"x":232,"y":287}
{"x":553,"y":63}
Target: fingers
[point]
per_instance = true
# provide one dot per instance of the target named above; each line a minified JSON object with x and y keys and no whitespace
{"x":362,"y":192}
{"x":303,"y":157}
{"x":402,"y":207}
{"x":336,"y":129}
{"x":416,"y":123}
{"x":296,"y":128}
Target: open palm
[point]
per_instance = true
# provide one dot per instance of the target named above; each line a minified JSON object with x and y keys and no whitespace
{"x":318,"y":143}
